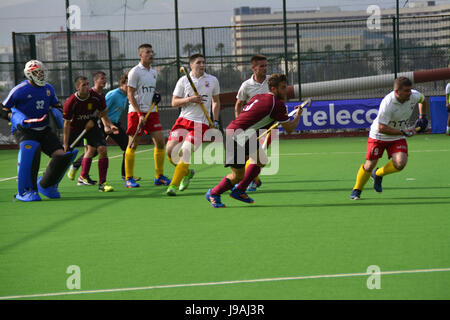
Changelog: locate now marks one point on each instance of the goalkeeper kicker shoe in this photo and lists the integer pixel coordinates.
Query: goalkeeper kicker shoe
(186, 179)
(50, 192)
(240, 195)
(214, 200)
(104, 187)
(377, 181)
(27, 196)
(356, 194)
(162, 181)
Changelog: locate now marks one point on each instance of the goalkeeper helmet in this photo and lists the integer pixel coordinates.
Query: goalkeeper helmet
(35, 72)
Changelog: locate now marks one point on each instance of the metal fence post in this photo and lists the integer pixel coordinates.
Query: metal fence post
(203, 42)
(395, 47)
(285, 39)
(297, 29)
(177, 38)
(111, 79)
(16, 78)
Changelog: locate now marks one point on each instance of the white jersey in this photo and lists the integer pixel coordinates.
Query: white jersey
(394, 114)
(250, 88)
(207, 86)
(144, 81)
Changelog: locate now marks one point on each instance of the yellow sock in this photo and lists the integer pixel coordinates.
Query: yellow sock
(361, 178)
(159, 162)
(181, 170)
(387, 169)
(130, 156)
(246, 165)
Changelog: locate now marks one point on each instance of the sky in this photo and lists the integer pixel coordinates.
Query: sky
(49, 15)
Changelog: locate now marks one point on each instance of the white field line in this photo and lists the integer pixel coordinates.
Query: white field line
(112, 157)
(202, 284)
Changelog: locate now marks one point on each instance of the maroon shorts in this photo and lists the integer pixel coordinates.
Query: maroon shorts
(189, 130)
(152, 124)
(375, 148)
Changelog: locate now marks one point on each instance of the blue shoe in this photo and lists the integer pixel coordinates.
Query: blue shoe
(27, 196)
(135, 178)
(214, 200)
(50, 192)
(131, 183)
(240, 195)
(162, 181)
(377, 181)
(254, 185)
(356, 194)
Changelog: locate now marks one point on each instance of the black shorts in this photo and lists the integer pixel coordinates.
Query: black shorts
(121, 138)
(94, 137)
(236, 155)
(47, 138)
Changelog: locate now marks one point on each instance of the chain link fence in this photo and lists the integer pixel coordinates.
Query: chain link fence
(316, 51)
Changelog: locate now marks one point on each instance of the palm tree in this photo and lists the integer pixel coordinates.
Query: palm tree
(188, 47)
(219, 48)
(198, 48)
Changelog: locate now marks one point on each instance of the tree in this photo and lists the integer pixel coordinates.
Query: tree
(197, 48)
(188, 47)
(219, 48)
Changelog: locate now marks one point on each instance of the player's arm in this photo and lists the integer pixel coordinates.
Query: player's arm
(109, 126)
(216, 111)
(5, 113)
(178, 102)
(384, 128)
(289, 126)
(238, 107)
(130, 94)
(66, 135)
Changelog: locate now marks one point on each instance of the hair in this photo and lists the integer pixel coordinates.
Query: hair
(123, 78)
(78, 79)
(256, 58)
(275, 80)
(195, 56)
(98, 75)
(145, 46)
(401, 82)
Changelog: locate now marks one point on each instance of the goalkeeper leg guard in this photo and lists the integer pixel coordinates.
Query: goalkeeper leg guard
(29, 159)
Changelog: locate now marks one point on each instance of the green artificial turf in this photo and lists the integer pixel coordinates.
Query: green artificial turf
(301, 224)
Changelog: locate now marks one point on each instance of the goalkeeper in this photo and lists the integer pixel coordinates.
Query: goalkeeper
(388, 132)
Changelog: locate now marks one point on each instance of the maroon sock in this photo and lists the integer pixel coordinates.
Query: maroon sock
(85, 167)
(251, 173)
(102, 170)
(223, 186)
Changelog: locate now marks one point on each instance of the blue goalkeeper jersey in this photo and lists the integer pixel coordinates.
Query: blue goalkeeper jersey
(33, 102)
(117, 102)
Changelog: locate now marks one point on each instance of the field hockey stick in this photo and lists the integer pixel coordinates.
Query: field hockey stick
(183, 70)
(293, 112)
(89, 125)
(138, 130)
(35, 120)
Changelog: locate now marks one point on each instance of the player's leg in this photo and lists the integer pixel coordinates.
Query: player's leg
(86, 162)
(130, 153)
(448, 123)
(174, 152)
(256, 183)
(72, 172)
(122, 141)
(103, 163)
(57, 166)
(375, 150)
(159, 155)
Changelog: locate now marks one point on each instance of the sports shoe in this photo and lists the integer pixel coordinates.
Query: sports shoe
(186, 179)
(131, 183)
(27, 196)
(240, 195)
(72, 172)
(377, 181)
(104, 187)
(356, 194)
(171, 191)
(162, 181)
(50, 192)
(214, 200)
(254, 185)
(135, 178)
(86, 181)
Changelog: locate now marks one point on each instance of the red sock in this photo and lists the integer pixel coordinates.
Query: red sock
(102, 170)
(85, 167)
(223, 186)
(251, 173)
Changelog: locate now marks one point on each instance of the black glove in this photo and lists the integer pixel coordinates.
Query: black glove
(216, 124)
(421, 123)
(156, 98)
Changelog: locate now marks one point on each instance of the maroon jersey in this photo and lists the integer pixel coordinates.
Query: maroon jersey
(81, 111)
(261, 112)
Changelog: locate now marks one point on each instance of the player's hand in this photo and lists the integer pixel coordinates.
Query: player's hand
(216, 124)
(196, 99)
(421, 123)
(114, 129)
(66, 147)
(408, 132)
(156, 98)
(141, 120)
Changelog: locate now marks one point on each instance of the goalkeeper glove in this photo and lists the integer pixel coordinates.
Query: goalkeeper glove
(421, 123)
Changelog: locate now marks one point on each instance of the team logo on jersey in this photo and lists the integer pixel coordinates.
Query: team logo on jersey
(207, 84)
(28, 146)
(89, 106)
(48, 92)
